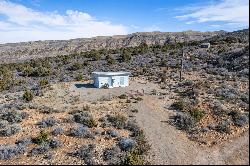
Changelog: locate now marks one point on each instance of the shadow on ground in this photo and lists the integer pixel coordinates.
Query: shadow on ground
(84, 86)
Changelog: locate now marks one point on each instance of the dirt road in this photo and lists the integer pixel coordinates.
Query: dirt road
(171, 146)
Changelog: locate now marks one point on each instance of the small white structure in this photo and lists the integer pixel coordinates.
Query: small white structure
(205, 45)
(111, 79)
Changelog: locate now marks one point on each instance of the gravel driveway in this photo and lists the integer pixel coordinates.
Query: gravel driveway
(171, 146)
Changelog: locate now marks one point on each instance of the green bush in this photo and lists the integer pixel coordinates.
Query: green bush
(123, 96)
(85, 63)
(138, 99)
(128, 101)
(41, 72)
(179, 105)
(134, 110)
(76, 66)
(95, 55)
(197, 114)
(28, 96)
(117, 121)
(163, 63)
(6, 79)
(43, 83)
(142, 147)
(110, 60)
(41, 138)
(126, 56)
(79, 77)
(133, 159)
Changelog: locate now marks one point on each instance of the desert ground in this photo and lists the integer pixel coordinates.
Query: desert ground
(168, 145)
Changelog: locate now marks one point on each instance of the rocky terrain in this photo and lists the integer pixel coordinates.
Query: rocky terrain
(14, 52)
(50, 113)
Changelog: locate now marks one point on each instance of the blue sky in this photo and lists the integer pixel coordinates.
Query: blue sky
(28, 20)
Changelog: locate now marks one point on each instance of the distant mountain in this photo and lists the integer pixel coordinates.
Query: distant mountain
(28, 50)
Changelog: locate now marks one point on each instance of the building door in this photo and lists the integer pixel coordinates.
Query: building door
(112, 81)
(121, 80)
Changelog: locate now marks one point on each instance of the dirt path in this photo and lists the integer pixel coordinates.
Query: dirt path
(170, 146)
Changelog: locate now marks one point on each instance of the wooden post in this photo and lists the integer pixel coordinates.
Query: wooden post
(182, 58)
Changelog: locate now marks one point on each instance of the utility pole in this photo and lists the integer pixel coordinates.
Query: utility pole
(182, 59)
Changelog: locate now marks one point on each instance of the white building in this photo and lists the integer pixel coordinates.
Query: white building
(205, 45)
(111, 79)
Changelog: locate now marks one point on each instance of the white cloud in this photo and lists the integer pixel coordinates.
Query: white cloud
(215, 26)
(25, 24)
(234, 12)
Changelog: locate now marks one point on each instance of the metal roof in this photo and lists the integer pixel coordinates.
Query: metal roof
(111, 73)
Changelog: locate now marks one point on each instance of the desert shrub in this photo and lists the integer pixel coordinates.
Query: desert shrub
(57, 131)
(43, 83)
(84, 111)
(110, 60)
(82, 132)
(128, 101)
(42, 149)
(86, 153)
(10, 130)
(223, 127)
(138, 99)
(134, 110)
(112, 133)
(3, 124)
(218, 109)
(196, 114)
(86, 63)
(133, 159)
(163, 63)
(41, 138)
(24, 141)
(6, 79)
(49, 122)
(239, 119)
(27, 96)
(41, 72)
(123, 96)
(117, 121)
(54, 143)
(142, 146)
(163, 77)
(95, 55)
(226, 93)
(112, 155)
(245, 97)
(76, 66)
(8, 152)
(183, 122)
(105, 122)
(27, 71)
(126, 144)
(132, 126)
(105, 86)
(190, 92)
(179, 105)
(79, 77)
(12, 116)
(85, 119)
(126, 56)
(47, 110)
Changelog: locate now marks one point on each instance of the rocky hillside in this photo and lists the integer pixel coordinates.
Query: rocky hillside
(28, 50)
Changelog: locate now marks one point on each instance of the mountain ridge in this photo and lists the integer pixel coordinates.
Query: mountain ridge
(12, 52)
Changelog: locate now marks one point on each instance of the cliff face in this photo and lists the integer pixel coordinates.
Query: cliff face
(27, 50)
